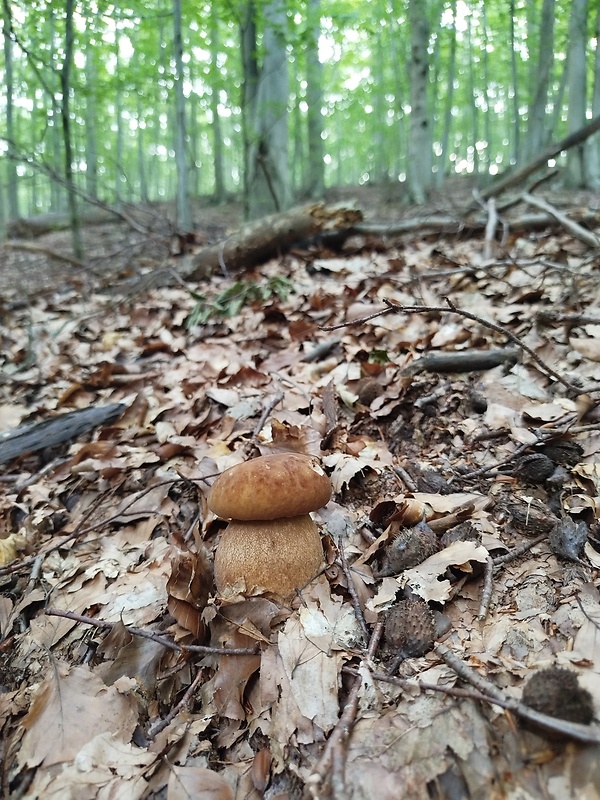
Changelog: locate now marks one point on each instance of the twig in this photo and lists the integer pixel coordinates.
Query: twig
(487, 589)
(393, 307)
(518, 551)
(332, 752)
(154, 637)
(406, 479)
(541, 438)
(274, 401)
(16, 565)
(574, 730)
(574, 229)
(490, 228)
(160, 724)
(352, 590)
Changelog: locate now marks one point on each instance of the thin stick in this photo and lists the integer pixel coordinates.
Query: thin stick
(154, 637)
(393, 307)
(342, 730)
(574, 730)
(352, 590)
(519, 550)
(487, 589)
(160, 724)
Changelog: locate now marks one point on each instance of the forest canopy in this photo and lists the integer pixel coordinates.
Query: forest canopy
(277, 99)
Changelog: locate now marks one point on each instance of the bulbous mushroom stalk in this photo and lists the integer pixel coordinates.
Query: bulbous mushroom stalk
(271, 545)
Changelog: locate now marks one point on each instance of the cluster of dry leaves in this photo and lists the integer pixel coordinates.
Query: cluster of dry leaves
(139, 699)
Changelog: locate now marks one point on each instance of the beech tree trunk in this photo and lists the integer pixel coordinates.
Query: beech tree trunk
(268, 177)
(576, 82)
(65, 85)
(11, 164)
(420, 173)
(184, 221)
(314, 99)
(537, 135)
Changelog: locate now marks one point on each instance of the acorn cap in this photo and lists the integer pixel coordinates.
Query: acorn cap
(272, 556)
(269, 487)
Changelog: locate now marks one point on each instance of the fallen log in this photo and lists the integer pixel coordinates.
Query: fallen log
(32, 437)
(258, 241)
(444, 223)
(32, 227)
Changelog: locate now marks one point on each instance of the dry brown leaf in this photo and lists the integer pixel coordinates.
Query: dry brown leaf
(425, 579)
(70, 708)
(197, 783)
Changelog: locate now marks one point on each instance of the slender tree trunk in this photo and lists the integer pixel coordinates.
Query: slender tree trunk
(11, 164)
(420, 175)
(248, 42)
(120, 167)
(444, 162)
(217, 128)
(486, 154)
(516, 132)
(474, 111)
(65, 84)
(58, 199)
(184, 218)
(314, 100)
(576, 81)
(91, 121)
(593, 144)
(536, 127)
(141, 154)
(268, 178)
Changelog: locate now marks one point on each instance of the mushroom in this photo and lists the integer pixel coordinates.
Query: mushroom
(271, 544)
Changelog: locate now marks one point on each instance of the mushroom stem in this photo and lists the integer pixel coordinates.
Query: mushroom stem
(276, 556)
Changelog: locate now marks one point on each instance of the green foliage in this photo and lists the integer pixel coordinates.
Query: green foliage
(229, 302)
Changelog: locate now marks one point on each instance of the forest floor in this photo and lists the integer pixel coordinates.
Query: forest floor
(476, 491)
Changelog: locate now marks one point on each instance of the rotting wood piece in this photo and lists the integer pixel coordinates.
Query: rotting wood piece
(260, 240)
(463, 361)
(31, 437)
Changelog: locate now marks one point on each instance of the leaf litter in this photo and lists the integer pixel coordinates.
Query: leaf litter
(111, 534)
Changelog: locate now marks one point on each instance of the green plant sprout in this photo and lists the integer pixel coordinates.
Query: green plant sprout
(229, 302)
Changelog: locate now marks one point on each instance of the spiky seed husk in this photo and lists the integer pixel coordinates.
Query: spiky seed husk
(410, 628)
(556, 691)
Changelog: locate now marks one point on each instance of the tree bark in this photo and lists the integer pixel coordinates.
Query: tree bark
(65, 83)
(268, 170)
(11, 164)
(184, 218)
(420, 174)
(258, 241)
(536, 125)
(576, 81)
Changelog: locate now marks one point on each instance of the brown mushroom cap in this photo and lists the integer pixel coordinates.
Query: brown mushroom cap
(276, 556)
(269, 487)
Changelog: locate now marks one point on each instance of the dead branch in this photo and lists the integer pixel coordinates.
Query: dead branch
(258, 241)
(154, 637)
(462, 361)
(29, 247)
(342, 730)
(30, 438)
(446, 224)
(393, 307)
(585, 236)
(519, 175)
(573, 730)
